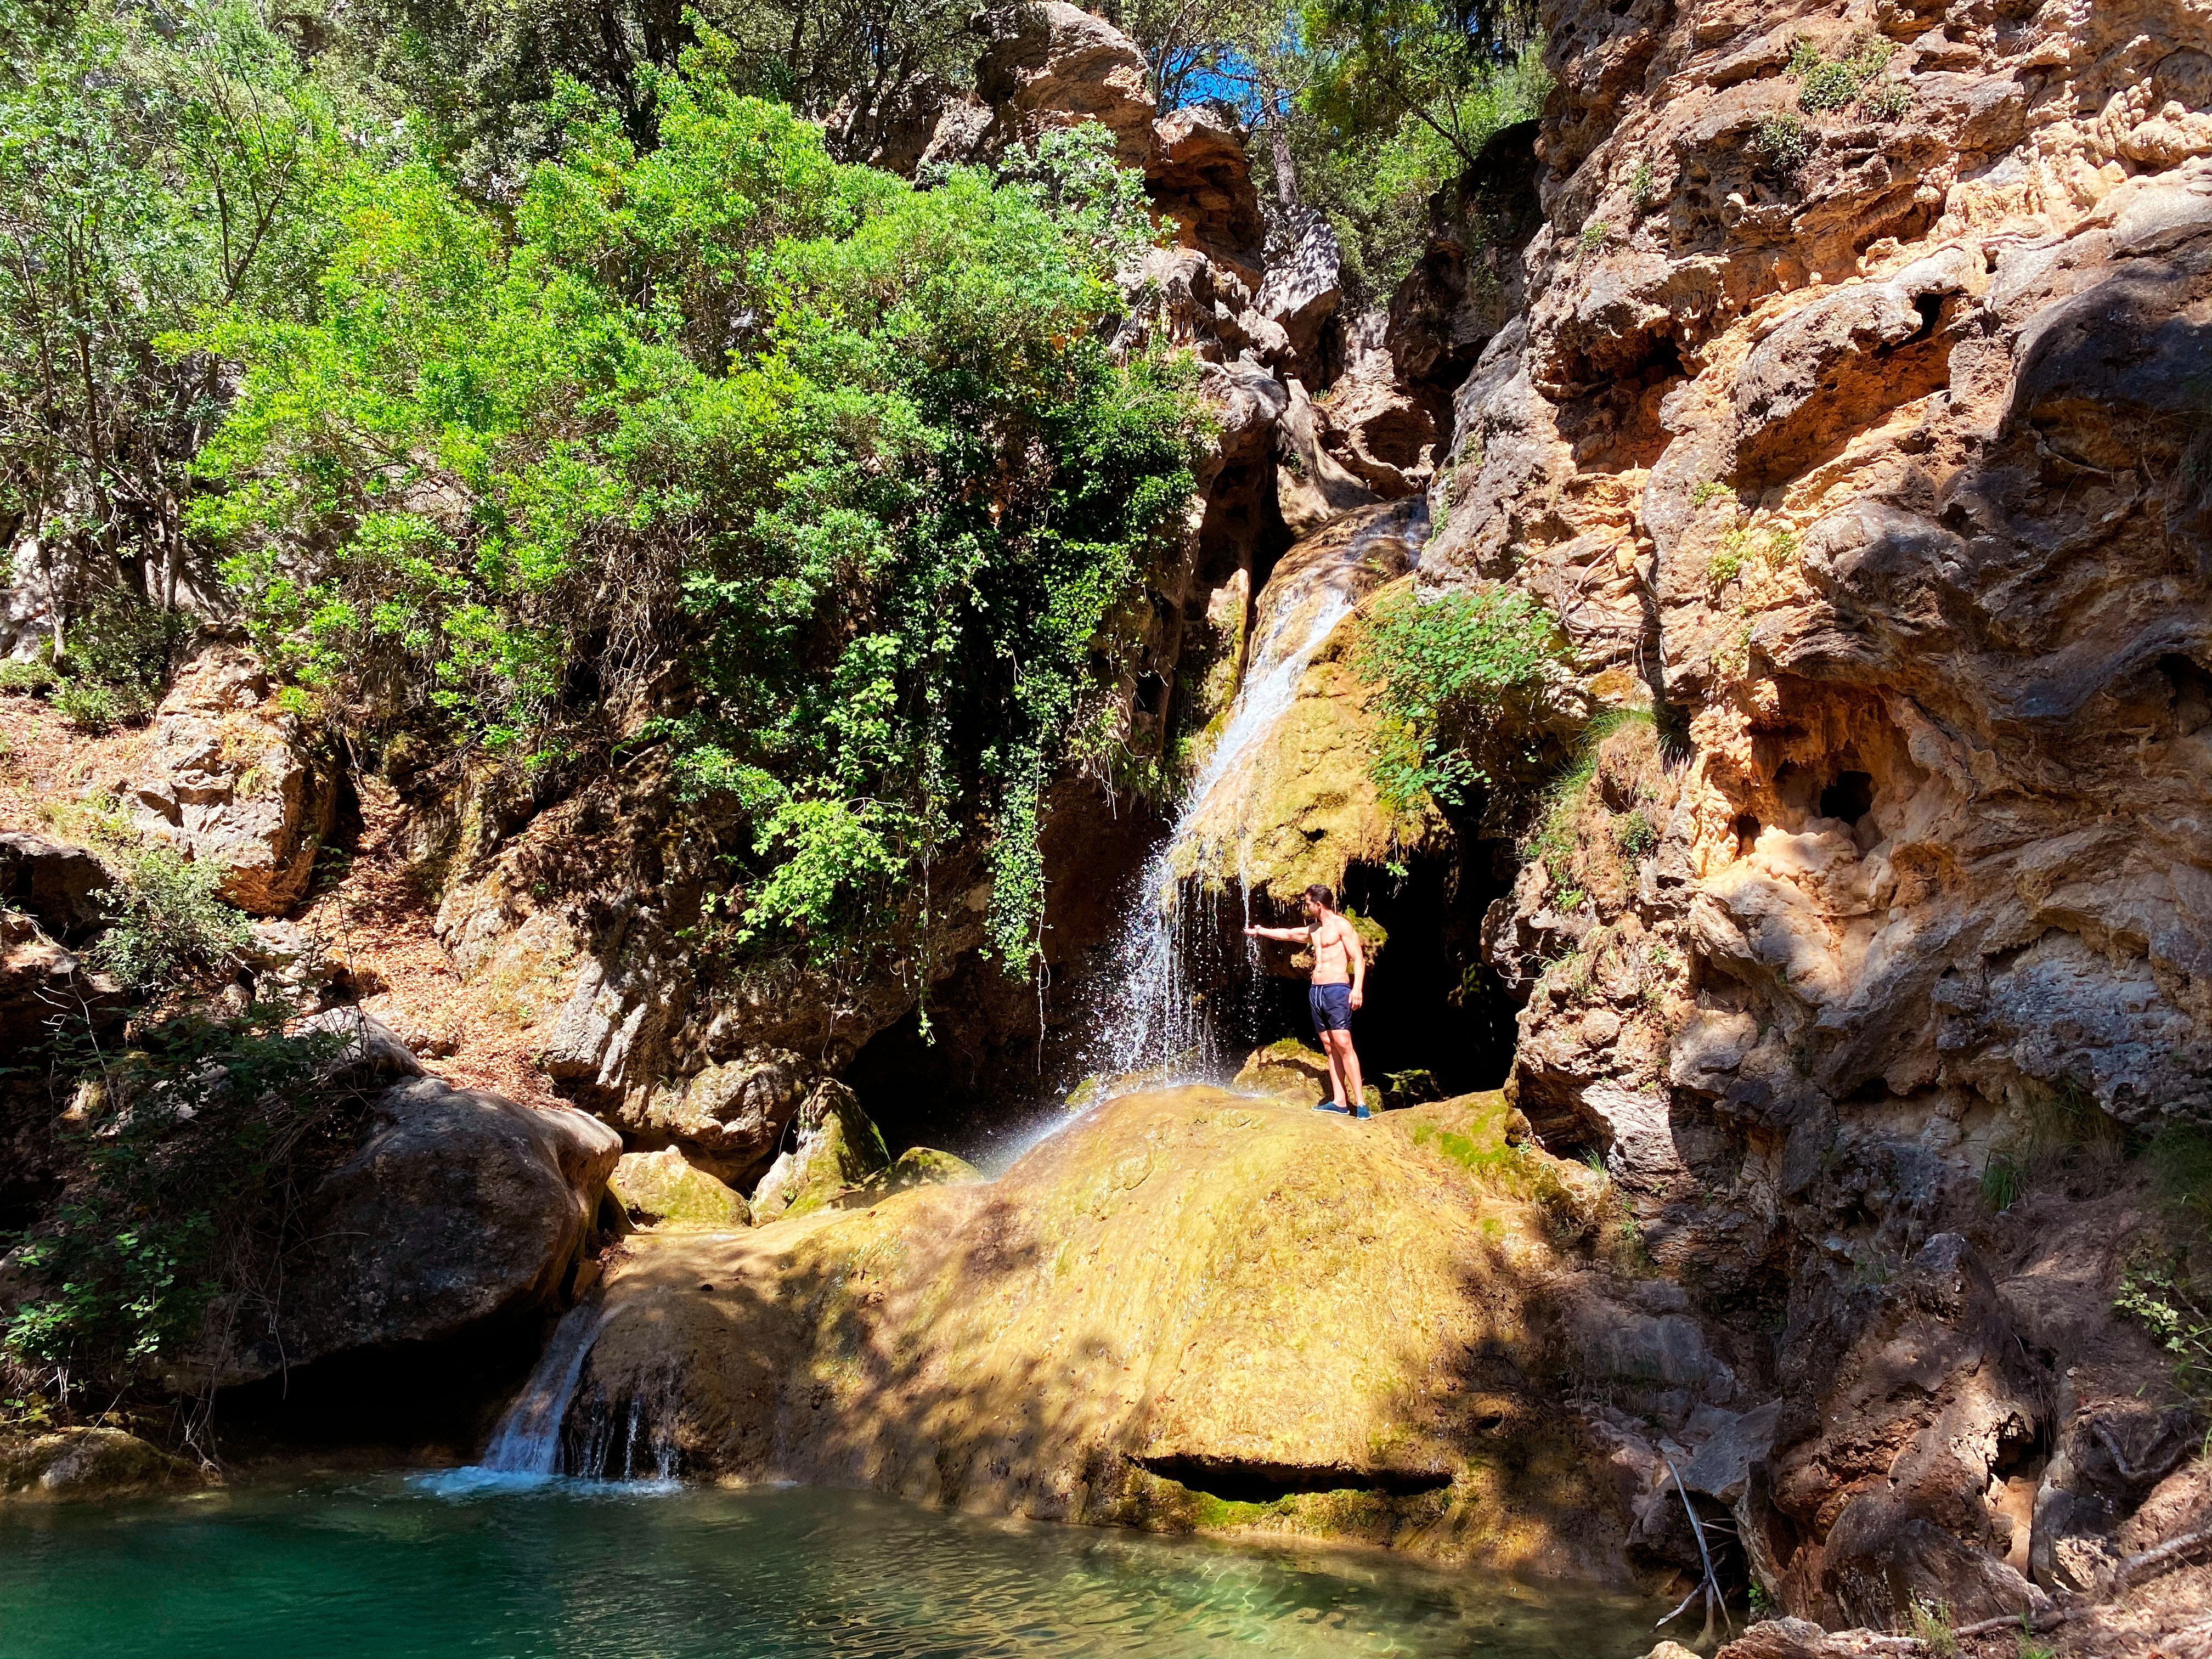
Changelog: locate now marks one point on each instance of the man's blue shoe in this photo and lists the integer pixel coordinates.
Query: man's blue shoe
(1336, 1106)
(1361, 1111)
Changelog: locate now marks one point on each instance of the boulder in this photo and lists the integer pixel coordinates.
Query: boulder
(88, 1462)
(44, 986)
(229, 780)
(1051, 64)
(1189, 1310)
(1290, 1069)
(370, 1053)
(660, 1190)
(837, 1149)
(728, 1117)
(63, 888)
(924, 1166)
(456, 1205)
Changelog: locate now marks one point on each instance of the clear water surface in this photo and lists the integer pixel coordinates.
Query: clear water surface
(447, 1568)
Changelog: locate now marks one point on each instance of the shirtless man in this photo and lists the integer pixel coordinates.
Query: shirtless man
(1340, 986)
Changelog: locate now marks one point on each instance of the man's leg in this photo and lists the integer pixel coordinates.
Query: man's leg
(1336, 1072)
(1344, 1061)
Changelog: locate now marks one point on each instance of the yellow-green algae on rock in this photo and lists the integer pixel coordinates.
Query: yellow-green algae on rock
(1192, 1310)
(660, 1189)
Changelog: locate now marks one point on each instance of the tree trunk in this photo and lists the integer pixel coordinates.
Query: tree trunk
(1279, 146)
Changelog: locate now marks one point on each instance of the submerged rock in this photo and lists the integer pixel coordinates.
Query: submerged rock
(1192, 1310)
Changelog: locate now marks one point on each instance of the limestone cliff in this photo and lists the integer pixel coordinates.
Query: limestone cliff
(1854, 419)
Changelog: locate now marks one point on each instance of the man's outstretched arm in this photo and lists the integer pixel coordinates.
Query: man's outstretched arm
(1294, 935)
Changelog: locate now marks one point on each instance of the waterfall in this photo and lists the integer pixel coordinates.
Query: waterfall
(1159, 1017)
(628, 1435)
(528, 1439)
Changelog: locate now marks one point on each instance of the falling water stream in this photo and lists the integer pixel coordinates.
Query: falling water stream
(1160, 1021)
(549, 1433)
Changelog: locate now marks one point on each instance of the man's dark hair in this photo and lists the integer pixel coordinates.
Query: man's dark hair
(1322, 896)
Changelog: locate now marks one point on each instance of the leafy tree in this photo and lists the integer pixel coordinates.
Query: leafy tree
(1361, 109)
(144, 176)
(485, 76)
(855, 455)
(1460, 674)
(1385, 64)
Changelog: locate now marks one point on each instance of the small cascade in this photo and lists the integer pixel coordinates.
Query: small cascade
(631, 1437)
(1175, 956)
(560, 1426)
(528, 1439)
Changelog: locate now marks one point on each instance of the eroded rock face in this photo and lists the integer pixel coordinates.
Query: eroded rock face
(1049, 64)
(229, 780)
(1876, 470)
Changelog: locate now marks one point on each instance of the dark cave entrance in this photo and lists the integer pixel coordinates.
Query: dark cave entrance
(1432, 1004)
(1000, 1056)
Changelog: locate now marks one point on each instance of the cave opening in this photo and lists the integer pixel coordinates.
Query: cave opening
(1850, 798)
(1432, 1004)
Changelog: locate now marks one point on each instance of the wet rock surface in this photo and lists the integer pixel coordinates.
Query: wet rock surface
(77, 1464)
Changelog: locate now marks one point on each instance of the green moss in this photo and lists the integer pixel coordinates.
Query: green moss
(1212, 1514)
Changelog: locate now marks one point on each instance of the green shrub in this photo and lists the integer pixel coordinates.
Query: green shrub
(1832, 86)
(1705, 490)
(1455, 670)
(30, 675)
(1930, 1622)
(88, 705)
(1783, 142)
(1644, 187)
(1554, 840)
(1634, 834)
(168, 919)
(1886, 102)
(2171, 1302)
(858, 457)
(1593, 235)
(2168, 1288)
(188, 1147)
(128, 646)
(1827, 86)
